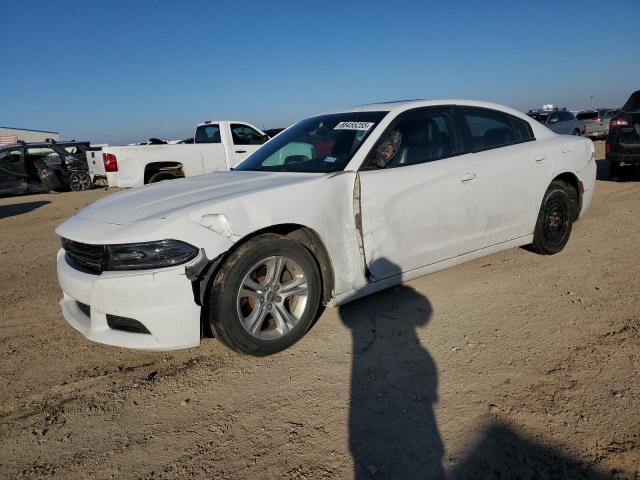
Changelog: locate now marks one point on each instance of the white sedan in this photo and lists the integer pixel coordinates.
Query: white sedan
(335, 207)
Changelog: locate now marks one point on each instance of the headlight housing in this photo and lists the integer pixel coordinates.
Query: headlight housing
(147, 255)
(129, 256)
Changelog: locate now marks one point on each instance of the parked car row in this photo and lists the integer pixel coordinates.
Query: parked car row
(593, 123)
(337, 206)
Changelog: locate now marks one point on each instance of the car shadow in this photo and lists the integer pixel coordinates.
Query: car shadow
(20, 208)
(627, 174)
(392, 427)
(502, 453)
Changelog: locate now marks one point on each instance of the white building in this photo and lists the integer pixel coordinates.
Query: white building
(10, 135)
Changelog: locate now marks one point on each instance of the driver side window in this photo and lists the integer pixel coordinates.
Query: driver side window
(419, 138)
(245, 135)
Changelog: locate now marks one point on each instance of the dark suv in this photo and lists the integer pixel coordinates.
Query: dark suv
(43, 167)
(623, 139)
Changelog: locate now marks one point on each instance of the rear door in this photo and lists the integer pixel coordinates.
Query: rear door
(513, 171)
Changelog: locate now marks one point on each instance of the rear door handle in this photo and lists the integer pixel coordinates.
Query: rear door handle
(241, 151)
(467, 177)
(541, 158)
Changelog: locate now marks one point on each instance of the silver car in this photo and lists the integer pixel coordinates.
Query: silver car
(596, 122)
(559, 120)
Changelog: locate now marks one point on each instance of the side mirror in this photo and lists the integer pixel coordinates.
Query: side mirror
(386, 149)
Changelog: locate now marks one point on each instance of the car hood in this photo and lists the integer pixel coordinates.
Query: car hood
(178, 198)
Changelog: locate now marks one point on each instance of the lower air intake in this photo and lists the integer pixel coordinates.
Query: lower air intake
(126, 324)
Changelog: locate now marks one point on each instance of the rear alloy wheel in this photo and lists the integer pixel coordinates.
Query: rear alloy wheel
(265, 296)
(79, 181)
(555, 219)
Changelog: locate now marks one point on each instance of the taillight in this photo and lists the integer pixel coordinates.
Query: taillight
(110, 162)
(619, 121)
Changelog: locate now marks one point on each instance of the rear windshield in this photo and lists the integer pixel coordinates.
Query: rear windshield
(541, 117)
(587, 115)
(208, 134)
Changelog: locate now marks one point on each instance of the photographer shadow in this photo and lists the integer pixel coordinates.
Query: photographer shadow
(392, 426)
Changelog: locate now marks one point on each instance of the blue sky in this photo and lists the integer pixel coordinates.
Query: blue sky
(122, 71)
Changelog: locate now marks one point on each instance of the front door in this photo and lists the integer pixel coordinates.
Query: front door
(246, 140)
(421, 207)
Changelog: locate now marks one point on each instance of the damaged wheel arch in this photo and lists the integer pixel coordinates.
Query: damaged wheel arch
(306, 236)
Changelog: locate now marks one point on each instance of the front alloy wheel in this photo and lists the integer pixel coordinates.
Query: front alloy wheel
(265, 296)
(273, 297)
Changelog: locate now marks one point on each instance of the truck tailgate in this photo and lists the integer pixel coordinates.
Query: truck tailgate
(94, 160)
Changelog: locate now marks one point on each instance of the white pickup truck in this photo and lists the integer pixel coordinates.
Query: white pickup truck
(218, 145)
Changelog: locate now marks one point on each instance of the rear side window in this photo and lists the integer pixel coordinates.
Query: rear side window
(566, 116)
(493, 129)
(208, 134)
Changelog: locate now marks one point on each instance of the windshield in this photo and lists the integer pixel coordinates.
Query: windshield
(318, 144)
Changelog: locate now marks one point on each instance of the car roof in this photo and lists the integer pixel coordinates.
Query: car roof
(398, 106)
(43, 144)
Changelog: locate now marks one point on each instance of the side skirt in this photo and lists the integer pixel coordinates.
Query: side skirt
(422, 271)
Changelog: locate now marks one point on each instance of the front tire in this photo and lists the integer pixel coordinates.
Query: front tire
(265, 296)
(555, 219)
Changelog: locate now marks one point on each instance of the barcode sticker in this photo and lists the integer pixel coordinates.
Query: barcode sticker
(353, 126)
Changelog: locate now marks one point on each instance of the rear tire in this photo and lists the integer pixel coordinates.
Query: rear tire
(265, 296)
(615, 171)
(555, 219)
(80, 181)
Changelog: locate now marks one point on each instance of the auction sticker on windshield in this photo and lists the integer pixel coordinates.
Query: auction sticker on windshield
(353, 126)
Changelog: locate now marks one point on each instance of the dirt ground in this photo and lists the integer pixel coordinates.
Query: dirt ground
(511, 366)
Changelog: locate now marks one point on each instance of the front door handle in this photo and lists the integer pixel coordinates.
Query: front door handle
(467, 177)
(541, 158)
(241, 151)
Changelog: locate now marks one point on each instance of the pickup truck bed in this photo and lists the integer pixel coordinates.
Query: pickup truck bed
(220, 145)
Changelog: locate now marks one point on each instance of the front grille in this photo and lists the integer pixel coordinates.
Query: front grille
(85, 257)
